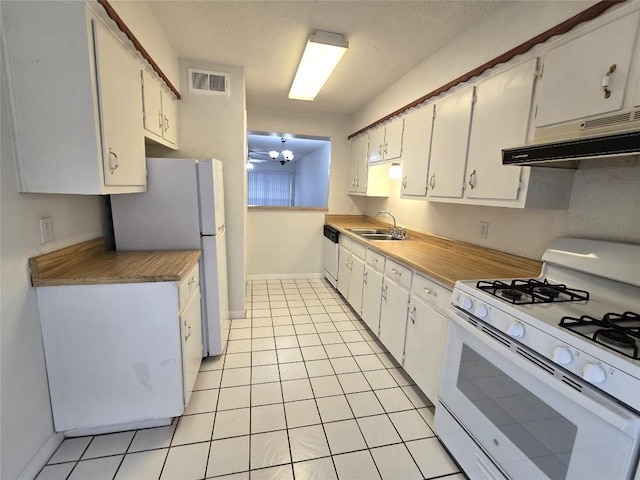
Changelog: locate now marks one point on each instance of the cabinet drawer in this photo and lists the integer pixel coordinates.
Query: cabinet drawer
(435, 295)
(399, 274)
(345, 242)
(358, 250)
(375, 260)
(188, 285)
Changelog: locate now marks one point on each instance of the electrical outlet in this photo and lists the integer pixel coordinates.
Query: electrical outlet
(484, 229)
(46, 230)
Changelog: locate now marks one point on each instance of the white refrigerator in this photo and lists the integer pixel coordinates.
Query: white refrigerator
(183, 208)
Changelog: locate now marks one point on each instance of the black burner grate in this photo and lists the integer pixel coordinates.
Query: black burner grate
(619, 332)
(523, 292)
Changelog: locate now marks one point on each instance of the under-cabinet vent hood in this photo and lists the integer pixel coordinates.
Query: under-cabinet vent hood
(560, 146)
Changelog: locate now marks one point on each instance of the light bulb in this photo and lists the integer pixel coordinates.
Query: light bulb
(274, 154)
(249, 166)
(288, 155)
(395, 171)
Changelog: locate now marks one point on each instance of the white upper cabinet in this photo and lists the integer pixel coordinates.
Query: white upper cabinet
(500, 120)
(75, 95)
(385, 143)
(160, 111)
(449, 145)
(416, 144)
(122, 145)
(368, 180)
(575, 73)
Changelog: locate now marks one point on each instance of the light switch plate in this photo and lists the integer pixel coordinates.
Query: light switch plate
(46, 230)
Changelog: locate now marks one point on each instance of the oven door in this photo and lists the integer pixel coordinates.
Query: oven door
(521, 413)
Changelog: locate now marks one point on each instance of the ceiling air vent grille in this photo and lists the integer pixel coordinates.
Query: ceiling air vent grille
(606, 121)
(207, 82)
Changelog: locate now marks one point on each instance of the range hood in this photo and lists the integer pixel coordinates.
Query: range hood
(561, 146)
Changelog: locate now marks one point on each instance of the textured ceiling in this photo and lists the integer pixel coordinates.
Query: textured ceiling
(386, 40)
(261, 143)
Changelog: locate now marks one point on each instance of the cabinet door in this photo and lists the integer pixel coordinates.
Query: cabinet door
(636, 102)
(170, 117)
(393, 139)
(393, 318)
(376, 144)
(449, 145)
(356, 281)
(191, 333)
(152, 104)
(426, 332)
(359, 160)
(416, 143)
(120, 111)
(344, 271)
(500, 120)
(571, 85)
(371, 299)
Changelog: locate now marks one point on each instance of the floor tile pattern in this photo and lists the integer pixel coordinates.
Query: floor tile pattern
(303, 391)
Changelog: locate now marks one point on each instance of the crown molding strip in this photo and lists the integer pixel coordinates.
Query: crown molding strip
(589, 14)
(113, 15)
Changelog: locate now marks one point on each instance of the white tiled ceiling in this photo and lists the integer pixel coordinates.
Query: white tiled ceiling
(386, 40)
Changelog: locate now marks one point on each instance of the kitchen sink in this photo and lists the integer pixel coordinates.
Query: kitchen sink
(374, 234)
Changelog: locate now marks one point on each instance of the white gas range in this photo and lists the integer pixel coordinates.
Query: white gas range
(523, 396)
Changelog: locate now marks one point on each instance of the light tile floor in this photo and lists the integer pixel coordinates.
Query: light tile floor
(303, 391)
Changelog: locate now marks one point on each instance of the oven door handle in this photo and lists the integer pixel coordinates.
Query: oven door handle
(612, 413)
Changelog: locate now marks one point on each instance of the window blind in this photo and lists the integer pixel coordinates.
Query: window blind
(270, 189)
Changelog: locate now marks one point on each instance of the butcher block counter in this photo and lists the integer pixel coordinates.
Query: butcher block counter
(90, 263)
(446, 261)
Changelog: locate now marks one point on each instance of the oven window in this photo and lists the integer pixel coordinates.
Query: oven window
(539, 431)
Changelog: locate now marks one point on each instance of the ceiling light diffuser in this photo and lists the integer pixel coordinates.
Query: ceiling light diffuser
(321, 56)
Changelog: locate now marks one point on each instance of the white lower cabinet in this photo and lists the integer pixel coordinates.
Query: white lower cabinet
(426, 332)
(344, 265)
(120, 356)
(356, 278)
(372, 290)
(393, 312)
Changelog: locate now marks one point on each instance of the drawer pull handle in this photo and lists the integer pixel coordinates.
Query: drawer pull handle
(192, 281)
(188, 332)
(605, 81)
(430, 292)
(396, 272)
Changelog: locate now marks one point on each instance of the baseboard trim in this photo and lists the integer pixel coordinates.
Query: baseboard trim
(40, 459)
(238, 314)
(279, 276)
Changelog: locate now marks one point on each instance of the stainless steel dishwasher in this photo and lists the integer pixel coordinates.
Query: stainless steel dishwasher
(330, 248)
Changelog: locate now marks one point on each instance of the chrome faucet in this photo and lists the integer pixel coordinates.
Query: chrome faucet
(396, 233)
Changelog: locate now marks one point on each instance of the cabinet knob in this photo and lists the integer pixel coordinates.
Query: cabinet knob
(605, 81)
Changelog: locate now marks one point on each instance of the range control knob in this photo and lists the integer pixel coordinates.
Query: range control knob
(593, 373)
(562, 356)
(481, 311)
(466, 303)
(516, 330)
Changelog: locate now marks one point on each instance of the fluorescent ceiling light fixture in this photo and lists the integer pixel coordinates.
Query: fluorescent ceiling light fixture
(395, 171)
(321, 56)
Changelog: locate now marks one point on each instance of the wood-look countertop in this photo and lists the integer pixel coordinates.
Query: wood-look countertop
(89, 263)
(446, 261)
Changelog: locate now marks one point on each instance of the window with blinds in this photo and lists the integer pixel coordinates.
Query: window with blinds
(271, 189)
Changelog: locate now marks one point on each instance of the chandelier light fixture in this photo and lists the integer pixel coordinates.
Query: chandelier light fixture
(321, 56)
(287, 155)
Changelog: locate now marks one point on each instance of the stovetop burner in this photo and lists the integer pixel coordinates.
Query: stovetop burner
(618, 332)
(523, 292)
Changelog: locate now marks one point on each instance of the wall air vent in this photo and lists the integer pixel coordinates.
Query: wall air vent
(207, 82)
(606, 121)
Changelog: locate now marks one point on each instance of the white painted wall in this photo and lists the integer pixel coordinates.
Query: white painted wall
(215, 126)
(25, 415)
(276, 237)
(141, 21)
(604, 198)
(311, 190)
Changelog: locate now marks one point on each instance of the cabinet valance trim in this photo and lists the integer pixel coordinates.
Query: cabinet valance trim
(113, 15)
(564, 27)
